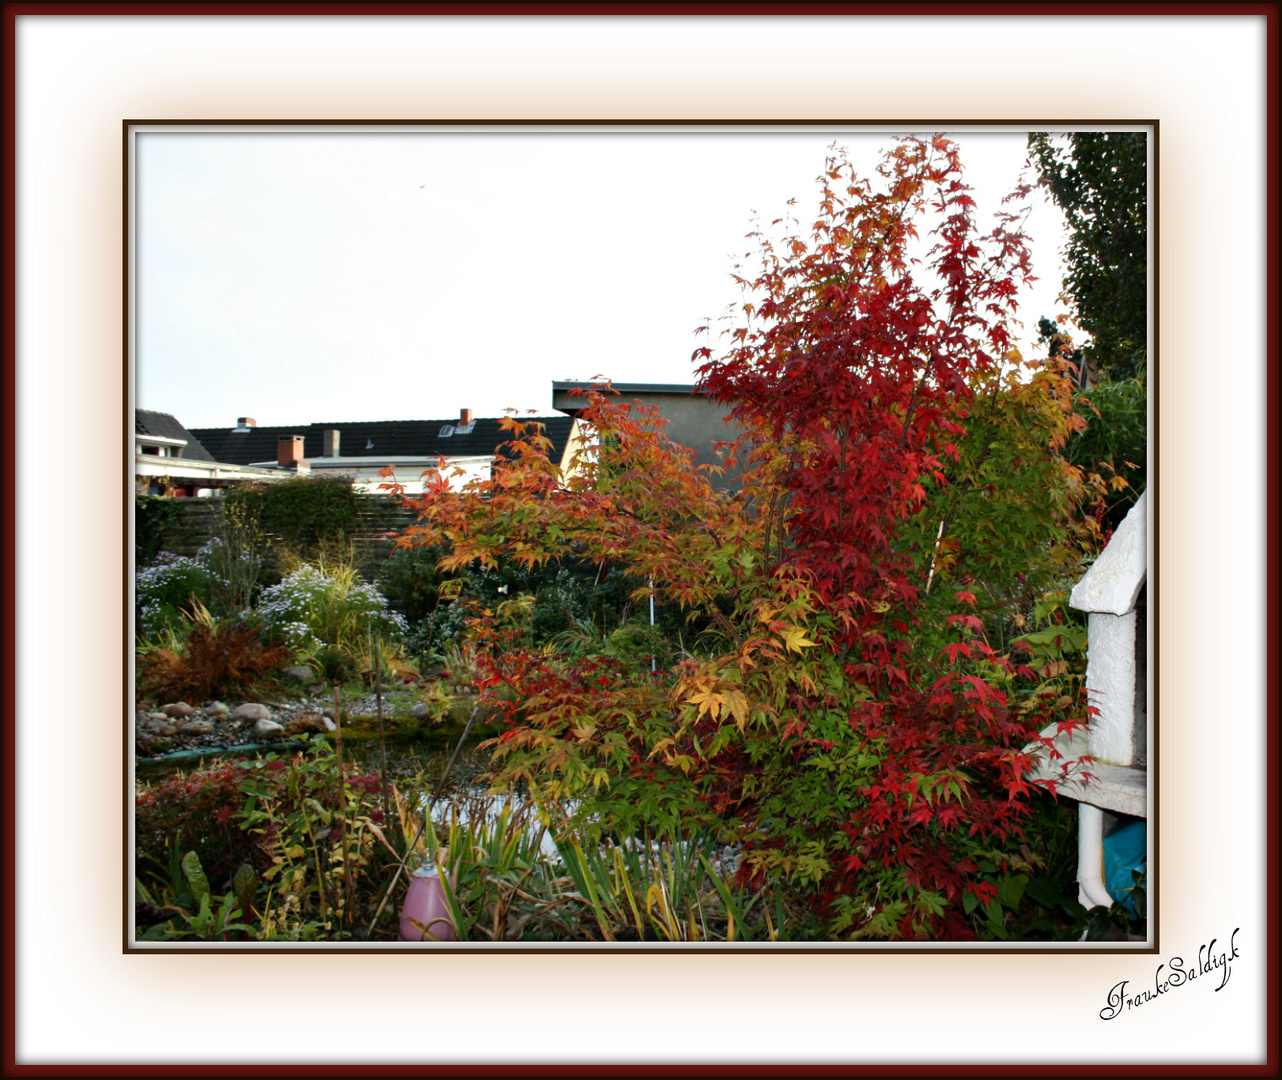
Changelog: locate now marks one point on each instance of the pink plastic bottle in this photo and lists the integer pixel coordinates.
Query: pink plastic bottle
(425, 904)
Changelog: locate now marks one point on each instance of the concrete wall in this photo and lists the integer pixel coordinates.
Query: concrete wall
(693, 420)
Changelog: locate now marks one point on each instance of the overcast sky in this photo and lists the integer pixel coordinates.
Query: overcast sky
(308, 277)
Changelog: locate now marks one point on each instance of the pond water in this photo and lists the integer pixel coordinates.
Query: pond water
(417, 773)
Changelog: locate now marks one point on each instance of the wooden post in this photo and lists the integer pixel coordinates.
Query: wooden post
(382, 743)
(342, 794)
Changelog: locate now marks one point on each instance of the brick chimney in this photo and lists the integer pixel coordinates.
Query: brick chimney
(244, 423)
(329, 442)
(289, 451)
(464, 417)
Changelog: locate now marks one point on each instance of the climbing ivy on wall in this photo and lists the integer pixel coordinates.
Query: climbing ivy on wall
(301, 509)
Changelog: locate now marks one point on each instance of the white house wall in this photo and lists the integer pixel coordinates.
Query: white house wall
(1110, 682)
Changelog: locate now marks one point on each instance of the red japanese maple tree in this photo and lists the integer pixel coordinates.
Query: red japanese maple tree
(846, 716)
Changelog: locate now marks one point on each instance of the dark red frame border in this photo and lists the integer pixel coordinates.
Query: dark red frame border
(8, 516)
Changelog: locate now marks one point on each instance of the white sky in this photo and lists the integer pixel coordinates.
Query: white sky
(344, 276)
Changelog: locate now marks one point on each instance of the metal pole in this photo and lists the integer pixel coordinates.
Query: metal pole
(653, 662)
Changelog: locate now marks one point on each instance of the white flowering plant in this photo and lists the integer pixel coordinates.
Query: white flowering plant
(165, 591)
(319, 606)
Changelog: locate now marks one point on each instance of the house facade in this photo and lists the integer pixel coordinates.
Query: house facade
(170, 460)
(693, 419)
(361, 450)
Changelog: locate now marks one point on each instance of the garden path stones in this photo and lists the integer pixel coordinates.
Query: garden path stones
(178, 710)
(251, 711)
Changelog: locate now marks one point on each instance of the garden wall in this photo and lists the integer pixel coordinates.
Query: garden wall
(199, 519)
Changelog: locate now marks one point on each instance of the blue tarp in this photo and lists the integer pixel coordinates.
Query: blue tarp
(1126, 851)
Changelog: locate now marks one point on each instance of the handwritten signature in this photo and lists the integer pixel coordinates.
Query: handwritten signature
(1178, 973)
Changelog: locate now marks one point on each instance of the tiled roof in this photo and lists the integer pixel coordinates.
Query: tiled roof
(377, 439)
(163, 426)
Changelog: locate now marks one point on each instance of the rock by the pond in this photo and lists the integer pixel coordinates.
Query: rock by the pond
(218, 711)
(178, 710)
(252, 711)
(418, 711)
(266, 730)
(158, 716)
(302, 674)
(307, 722)
(197, 727)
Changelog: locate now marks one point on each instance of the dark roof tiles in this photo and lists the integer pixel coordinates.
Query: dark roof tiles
(163, 426)
(377, 439)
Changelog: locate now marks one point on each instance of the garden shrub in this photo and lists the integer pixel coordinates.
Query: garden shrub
(316, 606)
(218, 657)
(154, 518)
(165, 591)
(320, 831)
(284, 818)
(437, 631)
(332, 618)
(195, 812)
(411, 582)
